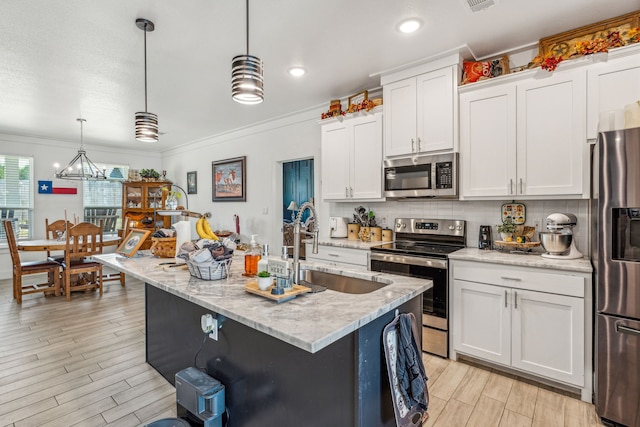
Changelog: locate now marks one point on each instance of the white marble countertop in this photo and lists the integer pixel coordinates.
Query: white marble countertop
(582, 265)
(311, 321)
(343, 242)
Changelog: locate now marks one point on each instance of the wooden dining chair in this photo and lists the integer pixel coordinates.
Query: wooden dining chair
(111, 276)
(56, 230)
(20, 269)
(78, 273)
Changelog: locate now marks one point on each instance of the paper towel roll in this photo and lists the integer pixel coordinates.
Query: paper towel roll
(183, 233)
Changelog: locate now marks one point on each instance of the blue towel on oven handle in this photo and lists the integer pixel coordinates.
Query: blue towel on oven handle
(409, 366)
(410, 395)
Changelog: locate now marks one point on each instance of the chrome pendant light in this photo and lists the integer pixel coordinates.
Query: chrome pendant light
(146, 122)
(81, 168)
(246, 76)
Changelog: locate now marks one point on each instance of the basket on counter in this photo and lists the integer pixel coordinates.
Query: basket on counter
(163, 247)
(214, 270)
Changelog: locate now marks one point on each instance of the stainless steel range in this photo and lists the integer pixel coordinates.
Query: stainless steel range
(421, 249)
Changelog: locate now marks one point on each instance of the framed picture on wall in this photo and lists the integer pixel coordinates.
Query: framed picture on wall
(192, 182)
(229, 180)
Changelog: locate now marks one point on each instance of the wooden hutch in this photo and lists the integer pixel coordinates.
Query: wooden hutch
(140, 202)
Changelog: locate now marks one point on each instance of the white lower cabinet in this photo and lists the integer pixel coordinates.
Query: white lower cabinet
(526, 319)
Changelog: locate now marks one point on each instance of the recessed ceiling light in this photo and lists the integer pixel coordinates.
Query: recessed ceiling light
(409, 25)
(297, 71)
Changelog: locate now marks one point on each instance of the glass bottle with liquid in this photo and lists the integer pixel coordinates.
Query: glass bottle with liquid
(251, 257)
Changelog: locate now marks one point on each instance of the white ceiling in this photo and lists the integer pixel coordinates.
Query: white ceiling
(63, 59)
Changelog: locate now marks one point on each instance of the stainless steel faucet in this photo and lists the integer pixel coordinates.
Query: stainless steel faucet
(296, 238)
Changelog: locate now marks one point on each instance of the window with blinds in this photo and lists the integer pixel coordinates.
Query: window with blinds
(16, 195)
(102, 200)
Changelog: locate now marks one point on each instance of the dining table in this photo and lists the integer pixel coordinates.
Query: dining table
(58, 245)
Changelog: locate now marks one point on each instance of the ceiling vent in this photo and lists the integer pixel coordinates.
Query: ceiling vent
(473, 6)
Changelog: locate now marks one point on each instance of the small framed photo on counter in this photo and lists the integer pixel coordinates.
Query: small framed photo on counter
(132, 242)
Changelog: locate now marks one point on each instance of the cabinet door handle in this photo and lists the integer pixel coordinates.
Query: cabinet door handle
(346, 191)
(419, 148)
(413, 145)
(351, 191)
(521, 190)
(515, 298)
(505, 299)
(517, 279)
(511, 186)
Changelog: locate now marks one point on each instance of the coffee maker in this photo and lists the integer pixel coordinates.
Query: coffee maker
(484, 237)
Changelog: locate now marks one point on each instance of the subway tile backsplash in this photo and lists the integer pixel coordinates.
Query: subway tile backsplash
(476, 213)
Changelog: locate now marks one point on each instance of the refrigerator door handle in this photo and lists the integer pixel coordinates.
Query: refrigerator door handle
(627, 330)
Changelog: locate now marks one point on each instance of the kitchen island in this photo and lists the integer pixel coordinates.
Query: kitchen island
(316, 360)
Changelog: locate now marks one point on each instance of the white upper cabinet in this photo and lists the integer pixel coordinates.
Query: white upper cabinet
(421, 110)
(525, 138)
(487, 141)
(551, 143)
(435, 110)
(351, 155)
(611, 85)
(400, 117)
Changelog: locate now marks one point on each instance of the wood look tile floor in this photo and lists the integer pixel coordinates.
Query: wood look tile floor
(82, 363)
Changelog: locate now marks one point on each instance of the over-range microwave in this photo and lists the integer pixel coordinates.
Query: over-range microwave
(425, 176)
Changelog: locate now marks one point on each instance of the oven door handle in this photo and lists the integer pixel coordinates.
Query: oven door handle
(412, 260)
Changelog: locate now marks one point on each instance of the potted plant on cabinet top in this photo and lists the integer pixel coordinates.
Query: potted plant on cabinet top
(149, 174)
(506, 230)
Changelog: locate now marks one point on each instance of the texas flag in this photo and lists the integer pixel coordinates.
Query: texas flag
(46, 187)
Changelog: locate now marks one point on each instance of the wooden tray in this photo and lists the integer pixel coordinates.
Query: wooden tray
(516, 245)
(252, 288)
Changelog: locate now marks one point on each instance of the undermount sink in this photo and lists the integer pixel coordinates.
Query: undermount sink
(336, 282)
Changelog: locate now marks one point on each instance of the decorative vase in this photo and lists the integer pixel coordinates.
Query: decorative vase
(171, 203)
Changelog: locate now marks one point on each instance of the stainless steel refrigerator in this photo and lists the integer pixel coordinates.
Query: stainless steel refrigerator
(616, 258)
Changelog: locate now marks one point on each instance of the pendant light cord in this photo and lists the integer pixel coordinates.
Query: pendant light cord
(145, 67)
(81, 133)
(247, 27)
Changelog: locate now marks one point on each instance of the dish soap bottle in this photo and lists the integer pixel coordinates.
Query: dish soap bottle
(263, 264)
(251, 258)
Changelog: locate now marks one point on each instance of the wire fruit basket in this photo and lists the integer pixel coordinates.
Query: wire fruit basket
(214, 270)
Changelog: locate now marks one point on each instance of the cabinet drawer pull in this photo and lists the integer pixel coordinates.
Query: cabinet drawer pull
(627, 330)
(517, 279)
(334, 255)
(505, 299)
(515, 298)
